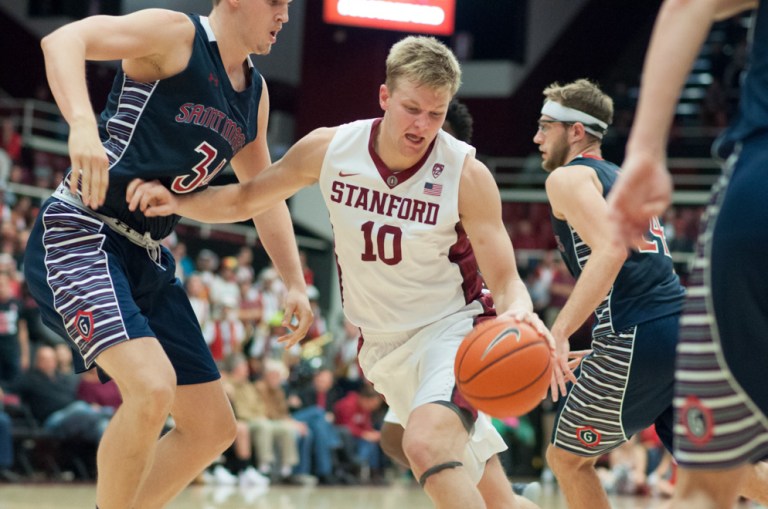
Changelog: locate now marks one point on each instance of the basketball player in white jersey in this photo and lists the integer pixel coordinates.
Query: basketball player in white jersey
(404, 199)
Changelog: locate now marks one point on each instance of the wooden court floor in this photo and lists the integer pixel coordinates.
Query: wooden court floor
(399, 495)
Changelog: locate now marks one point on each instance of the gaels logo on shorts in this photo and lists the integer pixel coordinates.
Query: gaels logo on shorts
(588, 436)
(437, 169)
(697, 421)
(84, 324)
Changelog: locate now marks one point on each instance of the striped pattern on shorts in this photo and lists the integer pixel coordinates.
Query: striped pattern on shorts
(717, 425)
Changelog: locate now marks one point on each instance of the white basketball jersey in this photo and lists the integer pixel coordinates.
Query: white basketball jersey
(404, 260)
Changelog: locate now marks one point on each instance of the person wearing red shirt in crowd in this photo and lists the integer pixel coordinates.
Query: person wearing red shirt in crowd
(354, 412)
(10, 140)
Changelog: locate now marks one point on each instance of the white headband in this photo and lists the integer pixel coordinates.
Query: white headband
(565, 114)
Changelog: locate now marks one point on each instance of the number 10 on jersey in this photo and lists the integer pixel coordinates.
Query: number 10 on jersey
(382, 242)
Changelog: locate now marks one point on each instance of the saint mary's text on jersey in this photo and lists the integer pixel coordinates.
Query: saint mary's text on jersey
(213, 119)
(386, 204)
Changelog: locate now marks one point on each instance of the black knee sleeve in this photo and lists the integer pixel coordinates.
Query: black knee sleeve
(438, 468)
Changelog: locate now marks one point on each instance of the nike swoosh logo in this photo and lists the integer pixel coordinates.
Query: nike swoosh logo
(510, 331)
(345, 174)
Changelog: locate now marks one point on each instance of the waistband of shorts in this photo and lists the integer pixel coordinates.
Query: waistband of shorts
(387, 337)
(144, 240)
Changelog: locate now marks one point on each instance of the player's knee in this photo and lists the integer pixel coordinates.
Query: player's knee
(152, 397)
(434, 470)
(228, 432)
(423, 453)
(564, 463)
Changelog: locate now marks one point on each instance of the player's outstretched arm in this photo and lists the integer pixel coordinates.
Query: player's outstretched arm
(480, 212)
(300, 167)
(153, 44)
(576, 196)
(645, 189)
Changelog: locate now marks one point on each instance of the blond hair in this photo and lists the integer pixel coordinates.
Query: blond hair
(582, 95)
(424, 61)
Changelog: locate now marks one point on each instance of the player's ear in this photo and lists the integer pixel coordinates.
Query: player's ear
(578, 130)
(384, 96)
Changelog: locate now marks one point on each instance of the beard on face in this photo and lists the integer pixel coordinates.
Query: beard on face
(557, 154)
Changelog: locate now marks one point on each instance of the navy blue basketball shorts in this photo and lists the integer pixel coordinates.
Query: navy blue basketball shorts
(97, 289)
(721, 394)
(624, 386)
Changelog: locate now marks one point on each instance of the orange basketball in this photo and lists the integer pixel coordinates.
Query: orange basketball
(503, 367)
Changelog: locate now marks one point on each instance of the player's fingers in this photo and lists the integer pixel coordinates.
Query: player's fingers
(578, 354)
(103, 184)
(96, 175)
(148, 196)
(568, 375)
(85, 185)
(159, 210)
(130, 193)
(288, 317)
(74, 177)
(290, 339)
(573, 364)
(553, 387)
(135, 198)
(560, 377)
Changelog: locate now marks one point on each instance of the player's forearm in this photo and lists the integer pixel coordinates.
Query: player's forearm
(678, 34)
(276, 233)
(218, 204)
(593, 285)
(513, 297)
(64, 55)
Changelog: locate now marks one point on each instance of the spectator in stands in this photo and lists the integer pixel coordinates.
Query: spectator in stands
(319, 326)
(354, 412)
(64, 366)
(20, 174)
(251, 312)
(6, 445)
(185, 266)
(39, 334)
(560, 289)
(263, 407)
(523, 236)
(228, 331)
(539, 280)
(10, 141)
(14, 335)
(313, 405)
(245, 268)
(309, 275)
(224, 289)
(201, 305)
(104, 397)
(207, 263)
(271, 289)
(271, 392)
(53, 403)
(346, 368)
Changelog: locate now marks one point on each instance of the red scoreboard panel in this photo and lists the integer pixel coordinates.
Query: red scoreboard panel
(417, 16)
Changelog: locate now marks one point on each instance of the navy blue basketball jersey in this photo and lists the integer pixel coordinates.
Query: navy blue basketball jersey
(181, 130)
(647, 286)
(752, 117)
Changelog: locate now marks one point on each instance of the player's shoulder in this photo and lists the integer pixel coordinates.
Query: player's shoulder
(570, 174)
(169, 19)
(321, 135)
